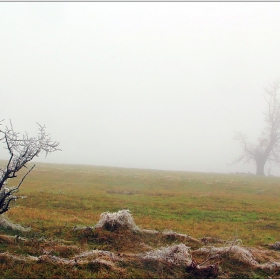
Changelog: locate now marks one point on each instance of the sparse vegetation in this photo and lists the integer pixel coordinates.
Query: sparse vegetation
(184, 225)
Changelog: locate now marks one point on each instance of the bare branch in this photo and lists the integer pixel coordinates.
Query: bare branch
(22, 149)
(268, 147)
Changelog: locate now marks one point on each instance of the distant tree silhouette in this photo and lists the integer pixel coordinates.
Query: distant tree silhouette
(22, 149)
(267, 148)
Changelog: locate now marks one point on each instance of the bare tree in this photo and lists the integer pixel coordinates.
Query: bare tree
(267, 148)
(22, 149)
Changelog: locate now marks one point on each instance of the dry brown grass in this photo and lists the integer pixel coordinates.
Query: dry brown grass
(171, 208)
(127, 253)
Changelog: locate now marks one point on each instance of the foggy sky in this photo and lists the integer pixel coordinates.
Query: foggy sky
(160, 85)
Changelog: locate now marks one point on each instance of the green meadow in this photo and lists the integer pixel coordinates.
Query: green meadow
(60, 197)
(199, 204)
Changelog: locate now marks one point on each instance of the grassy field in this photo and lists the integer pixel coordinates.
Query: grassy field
(225, 206)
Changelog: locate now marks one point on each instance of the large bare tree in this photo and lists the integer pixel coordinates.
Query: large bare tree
(22, 149)
(267, 148)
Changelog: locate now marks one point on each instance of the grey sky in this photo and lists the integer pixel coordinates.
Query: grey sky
(160, 85)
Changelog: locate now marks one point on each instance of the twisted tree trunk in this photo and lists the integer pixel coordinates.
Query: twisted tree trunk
(261, 158)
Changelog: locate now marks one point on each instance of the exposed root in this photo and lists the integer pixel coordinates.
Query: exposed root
(238, 253)
(262, 255)
(233, 252)
(212, 240)
(96, 259)
(7, 239)
(89, 255)
(76, 228)
(7, 224)
(8, 256)
(62, 250)
(98, 264)
(174, 235)
(180, 255)
(204, 272)
(275, 246)
(57, 260)
(150, 231)
(145, 246)
(93, 257)
(171, 259)
(176, 254)
(272, 266)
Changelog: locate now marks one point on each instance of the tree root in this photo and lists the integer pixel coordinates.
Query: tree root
(7, 239)
(176, 254)
(8, 256)
(174, 235)
(233, 252)
(7, 224)
(240, 254)
(275, 246)
(203, 272)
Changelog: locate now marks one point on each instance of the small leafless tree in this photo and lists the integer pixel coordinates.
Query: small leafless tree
(267, 148)
(22, 149)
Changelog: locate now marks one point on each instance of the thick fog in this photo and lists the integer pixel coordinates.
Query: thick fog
(158, 85)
